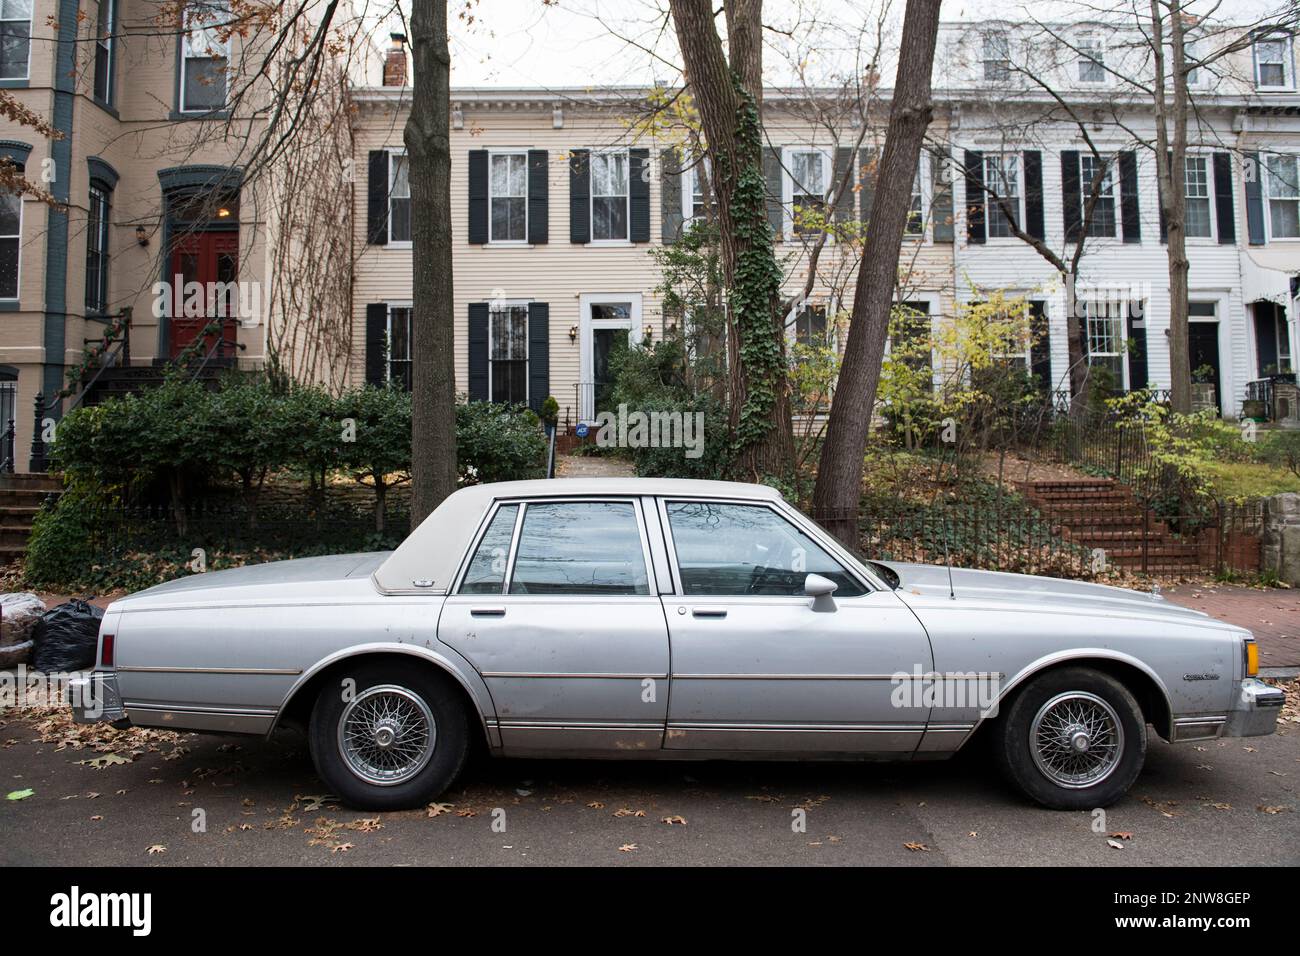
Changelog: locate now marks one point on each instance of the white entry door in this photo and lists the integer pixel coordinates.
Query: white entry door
(606, 319)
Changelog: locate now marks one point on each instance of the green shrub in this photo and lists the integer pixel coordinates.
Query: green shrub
(64, 539)
(498, 443)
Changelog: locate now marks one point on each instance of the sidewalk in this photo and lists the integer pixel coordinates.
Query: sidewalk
(1273, 614)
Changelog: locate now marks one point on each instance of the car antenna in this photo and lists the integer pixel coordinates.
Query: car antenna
(947, 557)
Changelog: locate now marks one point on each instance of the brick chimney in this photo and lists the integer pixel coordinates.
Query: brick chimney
(395, 61)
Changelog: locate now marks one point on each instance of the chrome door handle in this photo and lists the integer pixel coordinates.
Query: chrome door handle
(709, 612)
(487, 612)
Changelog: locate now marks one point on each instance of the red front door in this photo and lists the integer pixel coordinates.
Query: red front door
(208, 258)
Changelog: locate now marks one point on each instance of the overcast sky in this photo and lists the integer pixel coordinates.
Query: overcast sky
(624, 42)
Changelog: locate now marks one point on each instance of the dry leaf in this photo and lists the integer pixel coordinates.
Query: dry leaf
(914, 847)
(1115, 844)
(672, 821)
(156, 849)
(627, 848)
(438, 809)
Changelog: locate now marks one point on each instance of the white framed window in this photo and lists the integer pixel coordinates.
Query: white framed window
(508, 353)
(808, 175)
(1282, 192)
(1274, 63)
(1199, 220)
(11, 230)
(810, 326)
(397, 346)
(1282, 333)
(1102, 223)
(996, 54)
(915, 225)
(1106, 338)
(205, 56)
(508, 196)
(15, 38)
(1091, 61)
(694, 202)
(1002, 177)
(610, 196)
(104, 48)
(399, 199)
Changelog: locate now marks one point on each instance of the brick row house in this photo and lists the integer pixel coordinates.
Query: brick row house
(147, 170)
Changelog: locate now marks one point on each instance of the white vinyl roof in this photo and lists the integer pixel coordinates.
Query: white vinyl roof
(432, 552)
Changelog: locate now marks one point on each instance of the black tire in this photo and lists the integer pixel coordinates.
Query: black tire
(1014, 747)
(450, 740)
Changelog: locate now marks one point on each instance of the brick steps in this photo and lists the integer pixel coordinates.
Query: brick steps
(21, 497)
(1100, 513)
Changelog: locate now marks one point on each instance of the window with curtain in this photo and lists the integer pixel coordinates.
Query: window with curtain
(609, 195)
(205, 56)
(508, 189)
(97, 219)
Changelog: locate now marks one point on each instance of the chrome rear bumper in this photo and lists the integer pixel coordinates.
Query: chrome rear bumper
(95, 698)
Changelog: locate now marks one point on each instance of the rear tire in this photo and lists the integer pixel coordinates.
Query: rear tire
(388, 736)
(1072, 739)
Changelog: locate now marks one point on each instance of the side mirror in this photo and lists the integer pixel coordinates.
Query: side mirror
(820, 590)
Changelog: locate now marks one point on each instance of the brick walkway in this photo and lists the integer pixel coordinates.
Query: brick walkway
(1272, 614)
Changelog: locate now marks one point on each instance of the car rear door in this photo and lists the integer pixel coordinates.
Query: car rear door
(558, 609)
(754, 668)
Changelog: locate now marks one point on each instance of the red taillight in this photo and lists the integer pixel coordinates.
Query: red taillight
(106, 651)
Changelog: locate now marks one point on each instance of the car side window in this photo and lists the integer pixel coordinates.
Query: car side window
(580, 547)
(487, 570)
(733, 549)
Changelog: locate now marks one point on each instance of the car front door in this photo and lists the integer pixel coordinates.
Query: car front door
(755, 668)
(559, 611)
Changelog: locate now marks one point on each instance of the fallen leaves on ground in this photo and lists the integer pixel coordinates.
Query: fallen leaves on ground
(326, 832)
(19, 794)
(105, 760)
(625, 812)
(917, 847)
(438, 809)
(673, 821)
(156, 849)
(1267, 809)
(1115, 844)
(628, 848)
(1122, 835)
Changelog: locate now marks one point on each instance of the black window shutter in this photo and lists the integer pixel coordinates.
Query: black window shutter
(377, 198)
(772, 170)
(478, 196)
(539, 354)
(1033, 161)
(376, 343)
(842, 179)
(1137, 353)
(539, 211)
(1223, 207)
(1254, 200)
(941, 195)
(1164, 223)
(867, 170)
(1130, 218)
(638, 171)
(580, 195)
(670, 195)
(1040, 346)
(478, 351)
(975, 229)
(1071, 198)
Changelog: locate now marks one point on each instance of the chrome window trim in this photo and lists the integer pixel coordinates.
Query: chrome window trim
(781, 509)
(642, 531)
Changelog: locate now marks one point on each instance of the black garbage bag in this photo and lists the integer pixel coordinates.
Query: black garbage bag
(66, 637)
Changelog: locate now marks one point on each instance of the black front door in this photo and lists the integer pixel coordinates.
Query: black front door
(1203, 353)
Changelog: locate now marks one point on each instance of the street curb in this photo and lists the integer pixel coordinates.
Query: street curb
(1280, 673)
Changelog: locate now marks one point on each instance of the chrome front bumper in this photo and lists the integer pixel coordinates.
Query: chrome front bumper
(95, 698)
(1255, 710)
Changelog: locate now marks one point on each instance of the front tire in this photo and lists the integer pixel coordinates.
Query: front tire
(388, 736)
(1073, 739)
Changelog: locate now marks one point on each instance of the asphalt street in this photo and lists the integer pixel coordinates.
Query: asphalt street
(1219, 803)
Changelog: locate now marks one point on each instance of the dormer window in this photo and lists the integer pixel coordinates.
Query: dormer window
(1092, 59)
(997, 57)
(1274, 63)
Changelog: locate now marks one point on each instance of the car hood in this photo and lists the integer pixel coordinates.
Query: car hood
(307, 577)
(983, 587)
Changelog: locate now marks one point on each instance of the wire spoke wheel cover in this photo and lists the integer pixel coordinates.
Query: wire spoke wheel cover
(386, 734)
(1076, 740)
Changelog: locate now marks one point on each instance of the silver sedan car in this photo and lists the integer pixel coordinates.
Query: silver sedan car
(668, 619)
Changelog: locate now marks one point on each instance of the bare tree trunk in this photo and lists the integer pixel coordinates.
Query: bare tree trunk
(729, 99)
(1170, 165)
(839, 475)
(433, 373)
